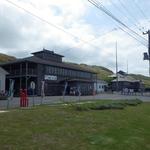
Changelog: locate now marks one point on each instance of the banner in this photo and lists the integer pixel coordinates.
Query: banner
(11, 88)
(42, 89)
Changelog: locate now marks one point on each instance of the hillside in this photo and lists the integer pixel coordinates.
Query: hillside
(6, 58)
(102, 72)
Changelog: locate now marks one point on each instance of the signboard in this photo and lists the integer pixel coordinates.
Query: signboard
(32, 85)
(50, 77)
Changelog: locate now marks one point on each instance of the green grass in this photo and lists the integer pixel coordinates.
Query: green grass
(63, 128)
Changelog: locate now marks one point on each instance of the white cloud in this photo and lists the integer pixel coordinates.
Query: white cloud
(22, 33)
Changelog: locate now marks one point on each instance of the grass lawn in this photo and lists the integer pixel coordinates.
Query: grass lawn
(64, 128)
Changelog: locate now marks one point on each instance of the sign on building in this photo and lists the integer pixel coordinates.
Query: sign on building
(50, 77)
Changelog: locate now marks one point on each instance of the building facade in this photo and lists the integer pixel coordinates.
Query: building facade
(124, 81)
(100, 86)
(47, 66)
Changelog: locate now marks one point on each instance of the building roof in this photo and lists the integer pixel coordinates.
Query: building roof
(125, 79)
(38, 60)
(47, 52)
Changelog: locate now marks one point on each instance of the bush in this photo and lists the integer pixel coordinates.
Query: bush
(109, 106)
(134, 102)
(116, 105)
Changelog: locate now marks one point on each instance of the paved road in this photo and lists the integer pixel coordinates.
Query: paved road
(57, 99)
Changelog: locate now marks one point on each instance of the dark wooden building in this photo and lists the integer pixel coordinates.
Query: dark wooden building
(48, 66)
(126, 81)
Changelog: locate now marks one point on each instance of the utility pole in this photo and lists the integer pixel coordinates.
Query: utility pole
(147, 55)
(116, 67)
(127, 67)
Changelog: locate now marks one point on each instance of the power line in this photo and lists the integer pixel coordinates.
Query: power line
(123, 13)
(81, 58)
(133, 37)
(43, 20)
(128, 11)
(102, 8)
(49, 23)
(140, 9)
(89, 40)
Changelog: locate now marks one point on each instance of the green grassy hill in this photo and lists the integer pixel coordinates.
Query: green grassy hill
(102, 72)
(5, 58)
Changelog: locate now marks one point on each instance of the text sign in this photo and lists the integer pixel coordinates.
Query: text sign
(50, 77)
(32, 85)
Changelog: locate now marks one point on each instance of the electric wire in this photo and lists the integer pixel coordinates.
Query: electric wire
(140, 9)
(49, 23)
(123, 13)
(102, 8)
(76, 46)
(128, 11)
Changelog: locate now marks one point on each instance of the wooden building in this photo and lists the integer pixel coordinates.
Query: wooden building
(48, 66)
(126, 81)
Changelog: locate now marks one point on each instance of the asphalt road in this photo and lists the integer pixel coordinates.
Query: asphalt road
(15, 103)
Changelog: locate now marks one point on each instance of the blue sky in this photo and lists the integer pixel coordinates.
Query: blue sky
(22, 33)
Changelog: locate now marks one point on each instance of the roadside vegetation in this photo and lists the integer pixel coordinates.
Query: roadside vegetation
(63, 127)
(107, 105)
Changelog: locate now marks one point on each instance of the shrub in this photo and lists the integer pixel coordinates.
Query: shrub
(81, 107)
(109, 106)
(116, 105)
(133, 102)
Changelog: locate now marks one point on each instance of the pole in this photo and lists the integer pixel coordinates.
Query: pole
(42, 91)
(148, 32)
(149, 49)
(64, 92)
(127, 68)
(20, 75)
(33, 97)
(26, 80)
(116, 67)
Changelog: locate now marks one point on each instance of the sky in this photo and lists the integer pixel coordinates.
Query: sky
(78, 30)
